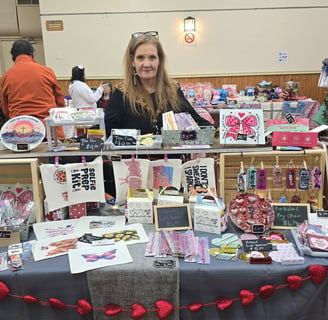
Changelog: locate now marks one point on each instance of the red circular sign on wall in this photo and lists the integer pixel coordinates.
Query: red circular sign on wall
(189, 37)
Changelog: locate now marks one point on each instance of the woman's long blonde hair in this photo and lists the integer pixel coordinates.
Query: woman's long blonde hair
(166, 89)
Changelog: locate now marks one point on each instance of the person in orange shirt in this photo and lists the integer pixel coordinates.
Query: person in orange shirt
(29, 88)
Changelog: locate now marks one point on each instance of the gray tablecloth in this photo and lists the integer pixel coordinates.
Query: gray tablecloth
(137, 282)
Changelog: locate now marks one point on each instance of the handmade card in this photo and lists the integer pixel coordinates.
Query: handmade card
(131, 234)
(164, 173)
(51, 248)
(91, 223)
(97, 257)
(241, 126)
(199, 174)
(130, 173)
(55, 229)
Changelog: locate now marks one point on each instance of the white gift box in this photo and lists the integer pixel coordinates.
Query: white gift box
(169, 195)
(207, 215)
(140, 206)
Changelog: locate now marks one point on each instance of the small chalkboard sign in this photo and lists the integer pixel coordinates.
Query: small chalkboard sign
(122, 140)
(188, 135)
(289, 215)
(5, 234)
(91, 144)
(257, 245)
(172, 217)
(242, 136)
(258, 228)
(322, 214)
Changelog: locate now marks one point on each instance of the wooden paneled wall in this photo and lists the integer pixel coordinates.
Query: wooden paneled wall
(308, 82)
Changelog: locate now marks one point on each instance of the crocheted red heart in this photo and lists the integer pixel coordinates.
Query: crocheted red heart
(247, 297)
(83, 307)
(223, 303)
(30, 299)
(318, 273)
(138, 311)
(193, 307)
(266, 291)
(4, 290)
(294, 282)
(164, 307)
(112, 309)
(57, 304)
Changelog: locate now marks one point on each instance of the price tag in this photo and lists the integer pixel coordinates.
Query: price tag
(257, 245)
(91, 144)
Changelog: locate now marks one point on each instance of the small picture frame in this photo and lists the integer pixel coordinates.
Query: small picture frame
(172, 217)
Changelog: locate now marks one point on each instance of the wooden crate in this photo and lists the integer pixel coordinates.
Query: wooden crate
(24, 171)
(230, 167)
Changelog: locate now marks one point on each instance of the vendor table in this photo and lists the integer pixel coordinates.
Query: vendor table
(188, 283)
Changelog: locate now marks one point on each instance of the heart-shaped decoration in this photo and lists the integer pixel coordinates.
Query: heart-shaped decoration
(247, 297)
(4, 290)
(266, 291)
(138, 311)
(164, 307)
(30, 299)
(112, 309)
(318, 273)
(57, 304)
(83, 307)
(193, 307)
(223, 303)
(19, 190)
(294, 282)
(241, 114)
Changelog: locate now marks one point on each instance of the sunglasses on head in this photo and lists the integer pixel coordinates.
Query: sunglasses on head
(146, 33)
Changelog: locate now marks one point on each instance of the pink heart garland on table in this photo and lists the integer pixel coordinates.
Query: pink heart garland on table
(138, 311)
(247, 297)
(266, 291)
(112, 309)
(30, 299)
(83, 307)
(318, 273)
(193, 307)
(223, 303)
(57, 304)
(164, 307)
(4, 290)
(294, 282)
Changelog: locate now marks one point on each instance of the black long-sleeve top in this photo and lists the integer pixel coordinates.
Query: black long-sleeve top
(118, 115)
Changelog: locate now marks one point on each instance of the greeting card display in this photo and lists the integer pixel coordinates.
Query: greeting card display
(241, 126)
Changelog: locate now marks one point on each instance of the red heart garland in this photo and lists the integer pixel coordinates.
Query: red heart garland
(266, 291)
(57, 304)
(318, 273)
(294, 282)
(112, 309)
(138, 311)
(30, 299)
(193, 307)
(247, 297)
(164, 307)
(223, 303)
(83, 307)
(4, 290)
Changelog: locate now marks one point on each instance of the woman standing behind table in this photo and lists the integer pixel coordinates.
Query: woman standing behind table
(104, 100)
(147, 91)
(82, 95)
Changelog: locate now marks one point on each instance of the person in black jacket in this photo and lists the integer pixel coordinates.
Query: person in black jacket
(146, 91)
(104, 100)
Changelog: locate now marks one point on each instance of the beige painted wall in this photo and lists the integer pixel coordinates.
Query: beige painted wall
(232, 37)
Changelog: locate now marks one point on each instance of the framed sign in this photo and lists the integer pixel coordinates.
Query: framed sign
(289, 215)
(172, 217)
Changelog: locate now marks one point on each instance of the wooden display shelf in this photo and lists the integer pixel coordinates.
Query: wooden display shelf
(230, 167)
(25, 171)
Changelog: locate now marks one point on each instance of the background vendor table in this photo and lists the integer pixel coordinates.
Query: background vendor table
(51, 278)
